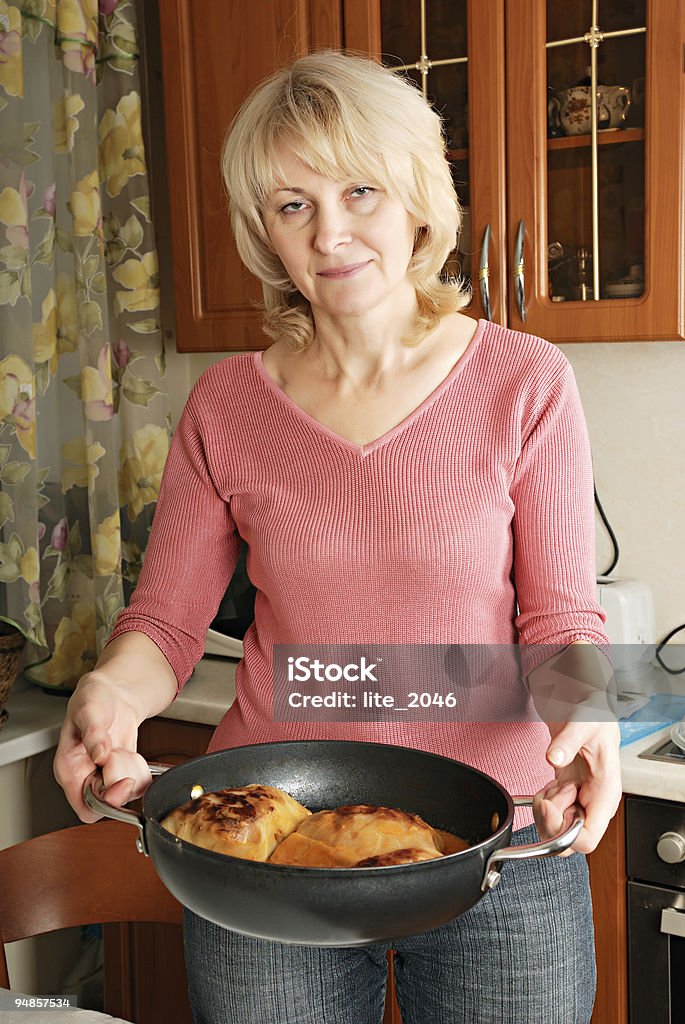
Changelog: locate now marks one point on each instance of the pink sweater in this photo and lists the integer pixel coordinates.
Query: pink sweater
(478, 502)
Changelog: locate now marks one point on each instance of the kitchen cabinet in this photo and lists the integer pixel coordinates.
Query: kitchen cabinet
(207, 57)
(608, 883)
(596, 212)
(612, 200)
(213, 53)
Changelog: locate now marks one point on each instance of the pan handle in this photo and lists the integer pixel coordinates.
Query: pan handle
(94, 785)
(547, 848)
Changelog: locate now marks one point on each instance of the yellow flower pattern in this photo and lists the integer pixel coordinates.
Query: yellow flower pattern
(96, 388)
(107, 546)
(14, 215)
(17, 402)
(29, 566)
(79, 343)
(11, 62)
(65, 121)
(85, 458)
(67, 314)
(45, 333)
(74, 651)
(85, 205)
(77, 24)
(142, 463)
(122, 154)
(142, 280)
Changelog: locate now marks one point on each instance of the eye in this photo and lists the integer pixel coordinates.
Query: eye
(296, 206)
(362, 191)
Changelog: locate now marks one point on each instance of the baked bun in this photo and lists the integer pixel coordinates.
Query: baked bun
(302, 852)
(247, 822)
(347, 835)
(447, 842)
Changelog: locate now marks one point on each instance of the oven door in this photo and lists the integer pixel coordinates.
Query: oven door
(656, 966)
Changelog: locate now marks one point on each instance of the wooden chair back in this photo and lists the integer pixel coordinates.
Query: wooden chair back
(89, 874)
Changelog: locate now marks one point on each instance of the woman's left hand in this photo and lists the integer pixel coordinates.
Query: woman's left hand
(585, 756)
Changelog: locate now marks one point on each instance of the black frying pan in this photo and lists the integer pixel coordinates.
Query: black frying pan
(336, 906)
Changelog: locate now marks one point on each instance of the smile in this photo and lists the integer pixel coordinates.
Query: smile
(338, 272)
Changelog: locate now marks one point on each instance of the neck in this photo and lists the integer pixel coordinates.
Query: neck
(365, 347)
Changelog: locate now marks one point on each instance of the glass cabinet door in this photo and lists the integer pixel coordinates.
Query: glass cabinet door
(596, 158)
(428, 42)
(595, 205)
(454, 51)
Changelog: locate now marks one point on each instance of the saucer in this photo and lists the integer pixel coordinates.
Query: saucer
(624, 290)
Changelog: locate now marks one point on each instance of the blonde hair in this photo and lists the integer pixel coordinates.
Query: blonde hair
(343, 116)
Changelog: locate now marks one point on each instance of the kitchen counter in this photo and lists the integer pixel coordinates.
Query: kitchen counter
(651, 778)
(207, 695)
(35, 717)
(35, 720)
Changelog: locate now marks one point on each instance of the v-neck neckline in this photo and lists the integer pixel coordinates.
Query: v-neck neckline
(382, 439)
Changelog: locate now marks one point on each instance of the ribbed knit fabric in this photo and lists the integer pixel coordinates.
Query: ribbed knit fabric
(481, 499)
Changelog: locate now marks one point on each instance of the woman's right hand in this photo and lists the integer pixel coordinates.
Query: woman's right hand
(100, 730)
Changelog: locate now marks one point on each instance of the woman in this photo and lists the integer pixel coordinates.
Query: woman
(401, 474)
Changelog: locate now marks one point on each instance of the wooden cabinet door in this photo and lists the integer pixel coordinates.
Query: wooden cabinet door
(607, 866)
(213, 53)
(639, 168)
(388, 29)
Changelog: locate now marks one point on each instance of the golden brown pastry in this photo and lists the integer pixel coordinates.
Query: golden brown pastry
(447, 842)
(247, 822)
(359, 831)
(303, 852)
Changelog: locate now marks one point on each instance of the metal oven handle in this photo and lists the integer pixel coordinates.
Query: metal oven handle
(673, 922)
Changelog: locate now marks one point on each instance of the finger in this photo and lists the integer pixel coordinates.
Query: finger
(568, 742)
(72, 770)
(550, 806)
(93, 723)
(119, 793)
(127, 764)
(599, 798)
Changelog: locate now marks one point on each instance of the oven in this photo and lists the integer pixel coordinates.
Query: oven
(655, 841)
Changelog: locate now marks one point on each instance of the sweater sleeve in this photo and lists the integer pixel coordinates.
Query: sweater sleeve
(553, 525)
(190, 558)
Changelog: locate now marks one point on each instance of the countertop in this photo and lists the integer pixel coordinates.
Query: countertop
(35, 719)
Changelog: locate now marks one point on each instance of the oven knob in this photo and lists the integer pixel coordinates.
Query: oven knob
(671, 847)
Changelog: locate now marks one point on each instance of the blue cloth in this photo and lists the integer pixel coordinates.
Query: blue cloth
(523, 953)
(663, 709)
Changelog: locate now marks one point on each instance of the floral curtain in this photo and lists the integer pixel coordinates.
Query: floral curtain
(84, 425)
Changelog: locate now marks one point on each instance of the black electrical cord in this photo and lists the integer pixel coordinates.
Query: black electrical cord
(660, 647)
(612, 535)
(669, 636)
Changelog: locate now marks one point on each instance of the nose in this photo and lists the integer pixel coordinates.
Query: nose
(331, 228)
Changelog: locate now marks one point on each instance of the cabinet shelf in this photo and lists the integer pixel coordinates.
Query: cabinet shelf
(605, 137)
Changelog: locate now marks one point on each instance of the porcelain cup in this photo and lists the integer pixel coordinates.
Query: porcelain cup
(573, 110)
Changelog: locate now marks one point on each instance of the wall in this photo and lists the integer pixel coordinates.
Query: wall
(633, 399)
(633, 396)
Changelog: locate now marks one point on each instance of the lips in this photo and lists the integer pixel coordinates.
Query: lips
(340, 272)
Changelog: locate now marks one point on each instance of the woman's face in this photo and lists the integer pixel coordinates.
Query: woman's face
(345, 245)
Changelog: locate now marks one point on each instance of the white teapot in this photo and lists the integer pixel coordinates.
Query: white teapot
(571, 108)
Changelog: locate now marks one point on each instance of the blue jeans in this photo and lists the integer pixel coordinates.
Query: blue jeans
(524, 954)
